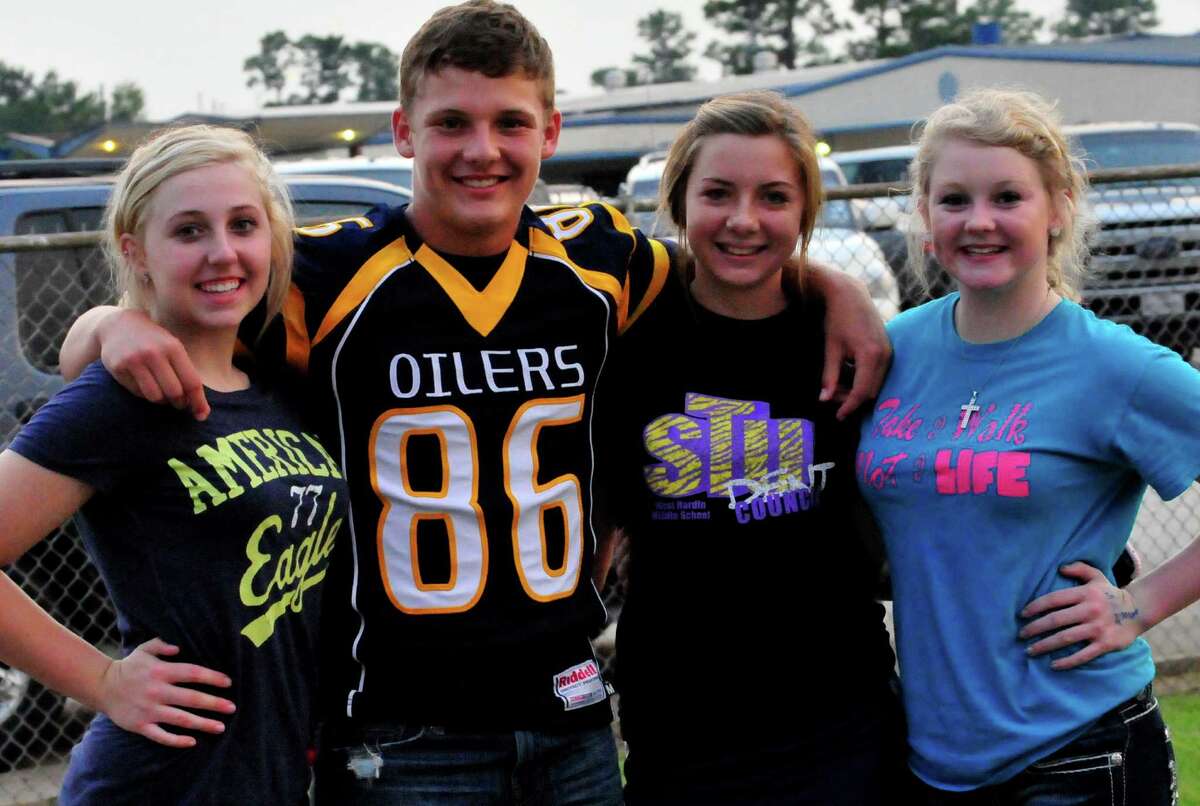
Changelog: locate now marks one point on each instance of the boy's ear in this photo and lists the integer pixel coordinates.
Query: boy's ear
(550, 133)
(402, 132)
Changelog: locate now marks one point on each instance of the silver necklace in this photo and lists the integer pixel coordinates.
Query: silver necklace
(970, 407)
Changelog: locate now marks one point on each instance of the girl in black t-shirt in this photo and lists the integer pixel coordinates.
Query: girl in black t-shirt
(752, 660)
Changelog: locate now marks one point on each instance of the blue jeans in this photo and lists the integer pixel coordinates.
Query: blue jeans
(435, 766)
(1124, 759)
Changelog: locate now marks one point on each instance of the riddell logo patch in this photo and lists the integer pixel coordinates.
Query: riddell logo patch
(579, 686)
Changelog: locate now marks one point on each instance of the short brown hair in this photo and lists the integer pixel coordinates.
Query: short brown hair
(482, 36)
(755, 114)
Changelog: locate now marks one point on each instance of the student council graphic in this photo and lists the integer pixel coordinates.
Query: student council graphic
(734, 450)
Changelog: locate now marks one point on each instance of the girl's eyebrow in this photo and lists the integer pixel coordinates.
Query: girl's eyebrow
(239, 208)
(773, 183)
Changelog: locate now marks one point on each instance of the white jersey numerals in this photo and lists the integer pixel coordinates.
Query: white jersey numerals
(456, 505)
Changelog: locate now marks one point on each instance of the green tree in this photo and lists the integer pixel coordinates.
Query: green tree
(128, 102)
(817, 21)
(268, 67)
(319, 69)
(324, 68)
(377, 71)
(1106, 18)
(793, 30)
(15, 84)
(49, 106)
(670, 45)
(901, 27)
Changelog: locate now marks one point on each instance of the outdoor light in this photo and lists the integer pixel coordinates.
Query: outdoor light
(109, 146)
(348, 135)
(823, 148)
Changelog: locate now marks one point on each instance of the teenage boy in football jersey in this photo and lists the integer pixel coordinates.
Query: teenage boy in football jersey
(453, 348)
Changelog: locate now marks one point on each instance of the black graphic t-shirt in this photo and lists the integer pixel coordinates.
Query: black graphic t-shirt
(214, 536)
(751, 584)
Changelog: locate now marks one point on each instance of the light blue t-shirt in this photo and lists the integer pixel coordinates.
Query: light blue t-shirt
(1075, 418)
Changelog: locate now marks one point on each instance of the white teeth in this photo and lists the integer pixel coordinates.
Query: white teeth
(982, 250)
(220, 286)
(740, 251)
(481, 183)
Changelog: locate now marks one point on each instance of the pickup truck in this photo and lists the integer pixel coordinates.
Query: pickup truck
(41, 294)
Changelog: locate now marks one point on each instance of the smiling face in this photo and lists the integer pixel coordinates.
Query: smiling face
(205, 247)
(477, 144)
(990, 216)
(744, 201)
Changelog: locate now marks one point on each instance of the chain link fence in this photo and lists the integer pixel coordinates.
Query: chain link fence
(1145, 272)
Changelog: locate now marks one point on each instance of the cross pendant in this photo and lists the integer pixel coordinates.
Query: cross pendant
(968, 409)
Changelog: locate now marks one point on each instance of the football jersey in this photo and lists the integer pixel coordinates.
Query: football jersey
(461, 408)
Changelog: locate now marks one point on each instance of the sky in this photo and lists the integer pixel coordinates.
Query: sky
(187, 57)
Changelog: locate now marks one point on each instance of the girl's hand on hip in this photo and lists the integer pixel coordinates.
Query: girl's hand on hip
(1094, 613)
(142, 693)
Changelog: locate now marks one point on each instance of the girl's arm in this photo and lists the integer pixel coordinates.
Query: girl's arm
(1105, 618)
(140, 692)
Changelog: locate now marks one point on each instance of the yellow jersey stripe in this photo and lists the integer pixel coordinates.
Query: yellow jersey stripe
(662, 265)
(484, 309)
(295, 330)
(546, 244)
(361, 284)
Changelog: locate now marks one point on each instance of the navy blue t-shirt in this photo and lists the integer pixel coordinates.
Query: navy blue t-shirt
(216, 537)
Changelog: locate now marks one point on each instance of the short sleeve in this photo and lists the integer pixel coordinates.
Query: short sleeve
(92, 430)
(1159, 432)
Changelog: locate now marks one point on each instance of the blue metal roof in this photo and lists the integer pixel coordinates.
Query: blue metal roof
(1134, 49)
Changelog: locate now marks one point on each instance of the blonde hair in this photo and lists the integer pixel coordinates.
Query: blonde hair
(753, 114)
(1029, 124)
(170, 152)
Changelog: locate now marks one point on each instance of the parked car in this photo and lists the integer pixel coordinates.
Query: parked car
(571, 194)
(41, 294)
(885, 218)
(1144, 269)
(394, 170)
(1145, 265)
(838, 240)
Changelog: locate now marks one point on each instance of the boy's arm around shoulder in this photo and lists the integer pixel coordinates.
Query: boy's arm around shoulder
(854, 334)
(141, 355)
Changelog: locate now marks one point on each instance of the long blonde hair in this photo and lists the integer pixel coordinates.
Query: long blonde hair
(1029, 124)
(170, 152)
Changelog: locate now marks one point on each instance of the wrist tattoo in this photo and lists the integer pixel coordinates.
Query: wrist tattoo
(1122, 605)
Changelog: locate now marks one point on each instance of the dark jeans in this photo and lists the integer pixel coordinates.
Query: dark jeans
(855, 757)
(1124, 758)
(435, 766)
